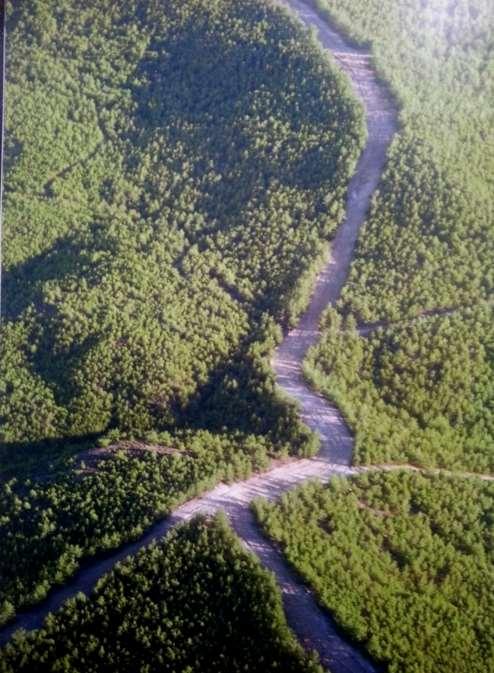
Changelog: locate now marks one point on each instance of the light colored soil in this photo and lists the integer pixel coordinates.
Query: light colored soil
(89, 460)
(436, 471)
(312, 625)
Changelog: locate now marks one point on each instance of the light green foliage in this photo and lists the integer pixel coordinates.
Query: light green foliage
(173, 170)
(197, 602)
(423, 393)
(419, 392)
(429, 240)
(48, 525)
(404, 562)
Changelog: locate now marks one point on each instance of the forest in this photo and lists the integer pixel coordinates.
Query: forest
(173, 173)
(416, 392)
(85, 507)
(197, 602)
(423, 393)
(429, 240)
(172, 177)
(403, 561)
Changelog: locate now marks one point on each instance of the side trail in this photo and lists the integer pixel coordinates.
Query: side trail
(312, 624)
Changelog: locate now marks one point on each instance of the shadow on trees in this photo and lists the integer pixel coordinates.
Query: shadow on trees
(36, 458)
(241, 396)
(24, 283)
(200, 92)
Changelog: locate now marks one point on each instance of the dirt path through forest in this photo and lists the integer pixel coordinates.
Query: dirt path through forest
(312, 625)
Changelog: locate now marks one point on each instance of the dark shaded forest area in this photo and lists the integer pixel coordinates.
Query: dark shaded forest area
(197, 602)
(172, 177)
(173, 174)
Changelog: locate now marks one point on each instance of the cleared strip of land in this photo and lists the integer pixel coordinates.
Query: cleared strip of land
(313, 625)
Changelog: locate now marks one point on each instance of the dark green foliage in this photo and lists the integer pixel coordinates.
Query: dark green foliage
(47, 526)
(424, 393)
(429, 240)
(196, 603)
(404, 562)
(419, 392)
(173, 172)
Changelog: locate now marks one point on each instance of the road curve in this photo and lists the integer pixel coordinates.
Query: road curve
(312, 625)
(381, 119)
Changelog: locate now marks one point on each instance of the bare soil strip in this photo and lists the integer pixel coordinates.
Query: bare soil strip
(312, 625)
(365, 329)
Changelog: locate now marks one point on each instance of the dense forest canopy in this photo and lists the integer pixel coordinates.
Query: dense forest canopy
(424, 393)
(404, 562)
(173, 173)
(429, 240)
(197, 602)
(419, 391)
(173, 170)
(51, 523)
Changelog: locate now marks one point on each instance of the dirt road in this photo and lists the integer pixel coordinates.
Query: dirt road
(312, 625)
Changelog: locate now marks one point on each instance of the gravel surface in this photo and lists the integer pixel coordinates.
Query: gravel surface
(312, 624)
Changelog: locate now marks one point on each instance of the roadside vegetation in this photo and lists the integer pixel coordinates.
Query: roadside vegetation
(429, 240)
(173, 172)
(404, 562)
(420, 392)
(423, 393)
(49, 525)
(197, 602)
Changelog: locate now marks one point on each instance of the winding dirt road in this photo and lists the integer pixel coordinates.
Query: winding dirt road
(381, 118)
(312, 625)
